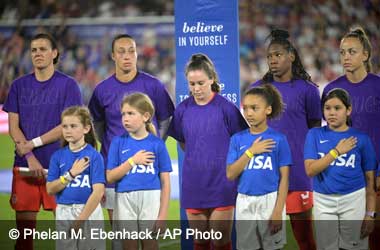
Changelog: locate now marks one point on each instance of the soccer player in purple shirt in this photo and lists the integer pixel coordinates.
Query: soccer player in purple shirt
(203, 125)
(364, 89)
(34, 105)
(108, 94)
(302, 111)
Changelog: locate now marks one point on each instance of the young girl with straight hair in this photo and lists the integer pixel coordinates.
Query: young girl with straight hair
(77, 177)
(342, 162)
(259, 157)
(139, 164)
(364, 88)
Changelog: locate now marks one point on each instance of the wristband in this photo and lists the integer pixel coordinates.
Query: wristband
(67, 176)
(131, 162)
(249, 154)
(63, 180)
(334, 153)
(28, 155)
(37, 142)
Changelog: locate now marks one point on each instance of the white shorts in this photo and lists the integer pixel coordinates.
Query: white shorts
(108, 200)
(65, 216)
(136, 210)
(252, 218)
(338, 220)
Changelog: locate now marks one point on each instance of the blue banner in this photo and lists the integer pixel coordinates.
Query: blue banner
(209, 27)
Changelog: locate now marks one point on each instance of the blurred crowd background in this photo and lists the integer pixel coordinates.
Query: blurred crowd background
(315, 26)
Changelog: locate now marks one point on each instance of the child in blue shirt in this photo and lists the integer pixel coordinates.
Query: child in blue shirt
(77, 177)
(260, 157)
(342, 162)
(139, 164)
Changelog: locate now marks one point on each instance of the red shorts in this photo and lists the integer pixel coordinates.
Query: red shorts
(207, 210)
(299, 201)
(28, 193)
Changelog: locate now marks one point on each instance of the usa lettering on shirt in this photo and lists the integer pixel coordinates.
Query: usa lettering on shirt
(343, 160)
(259, 162)
(80, 181)
(142, 169)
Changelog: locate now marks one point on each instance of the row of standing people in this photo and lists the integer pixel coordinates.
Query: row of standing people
(194, 134)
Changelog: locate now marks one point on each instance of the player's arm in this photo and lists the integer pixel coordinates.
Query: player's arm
(235, 169)
(370, 191)
(92, 202)
(368, 222)
(19, 139)
(56, 186)
(276, 217)
(14, 130)
(315, 166)
(46, 138)
(165, 195)
(163, 127)
(100, 128)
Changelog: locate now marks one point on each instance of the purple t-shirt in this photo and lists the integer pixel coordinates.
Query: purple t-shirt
(365, 97)
(206, 131)
(106, 99)
(302, 103)
(39, 106)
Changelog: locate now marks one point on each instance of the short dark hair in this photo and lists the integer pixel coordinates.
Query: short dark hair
(52, 41)
(120, 36)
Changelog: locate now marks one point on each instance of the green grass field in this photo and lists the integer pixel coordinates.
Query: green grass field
(7, 214)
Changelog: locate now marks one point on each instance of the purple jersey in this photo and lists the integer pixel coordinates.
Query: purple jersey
(206, 131)
(106, 99)
(39, 106)
(365, 97)
(302, 103)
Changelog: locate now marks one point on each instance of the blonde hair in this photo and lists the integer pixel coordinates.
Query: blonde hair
(143, 104)
(84, 117)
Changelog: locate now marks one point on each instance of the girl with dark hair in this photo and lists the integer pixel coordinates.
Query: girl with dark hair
(260, 158)
(364, 88)
(203, 125)
(302, 111)
(76, 176)
(342, 162)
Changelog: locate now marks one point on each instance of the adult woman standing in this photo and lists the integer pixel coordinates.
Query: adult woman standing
(203, 125)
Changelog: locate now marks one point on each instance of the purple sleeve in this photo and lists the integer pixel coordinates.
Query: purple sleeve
(95, 107)
(11, 104)
(255, 84)
(234, 120)
(175, 127)
(313, 104)
(73, 96)
(162, 103)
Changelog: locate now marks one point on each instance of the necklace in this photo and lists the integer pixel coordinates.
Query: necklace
(79, 148)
